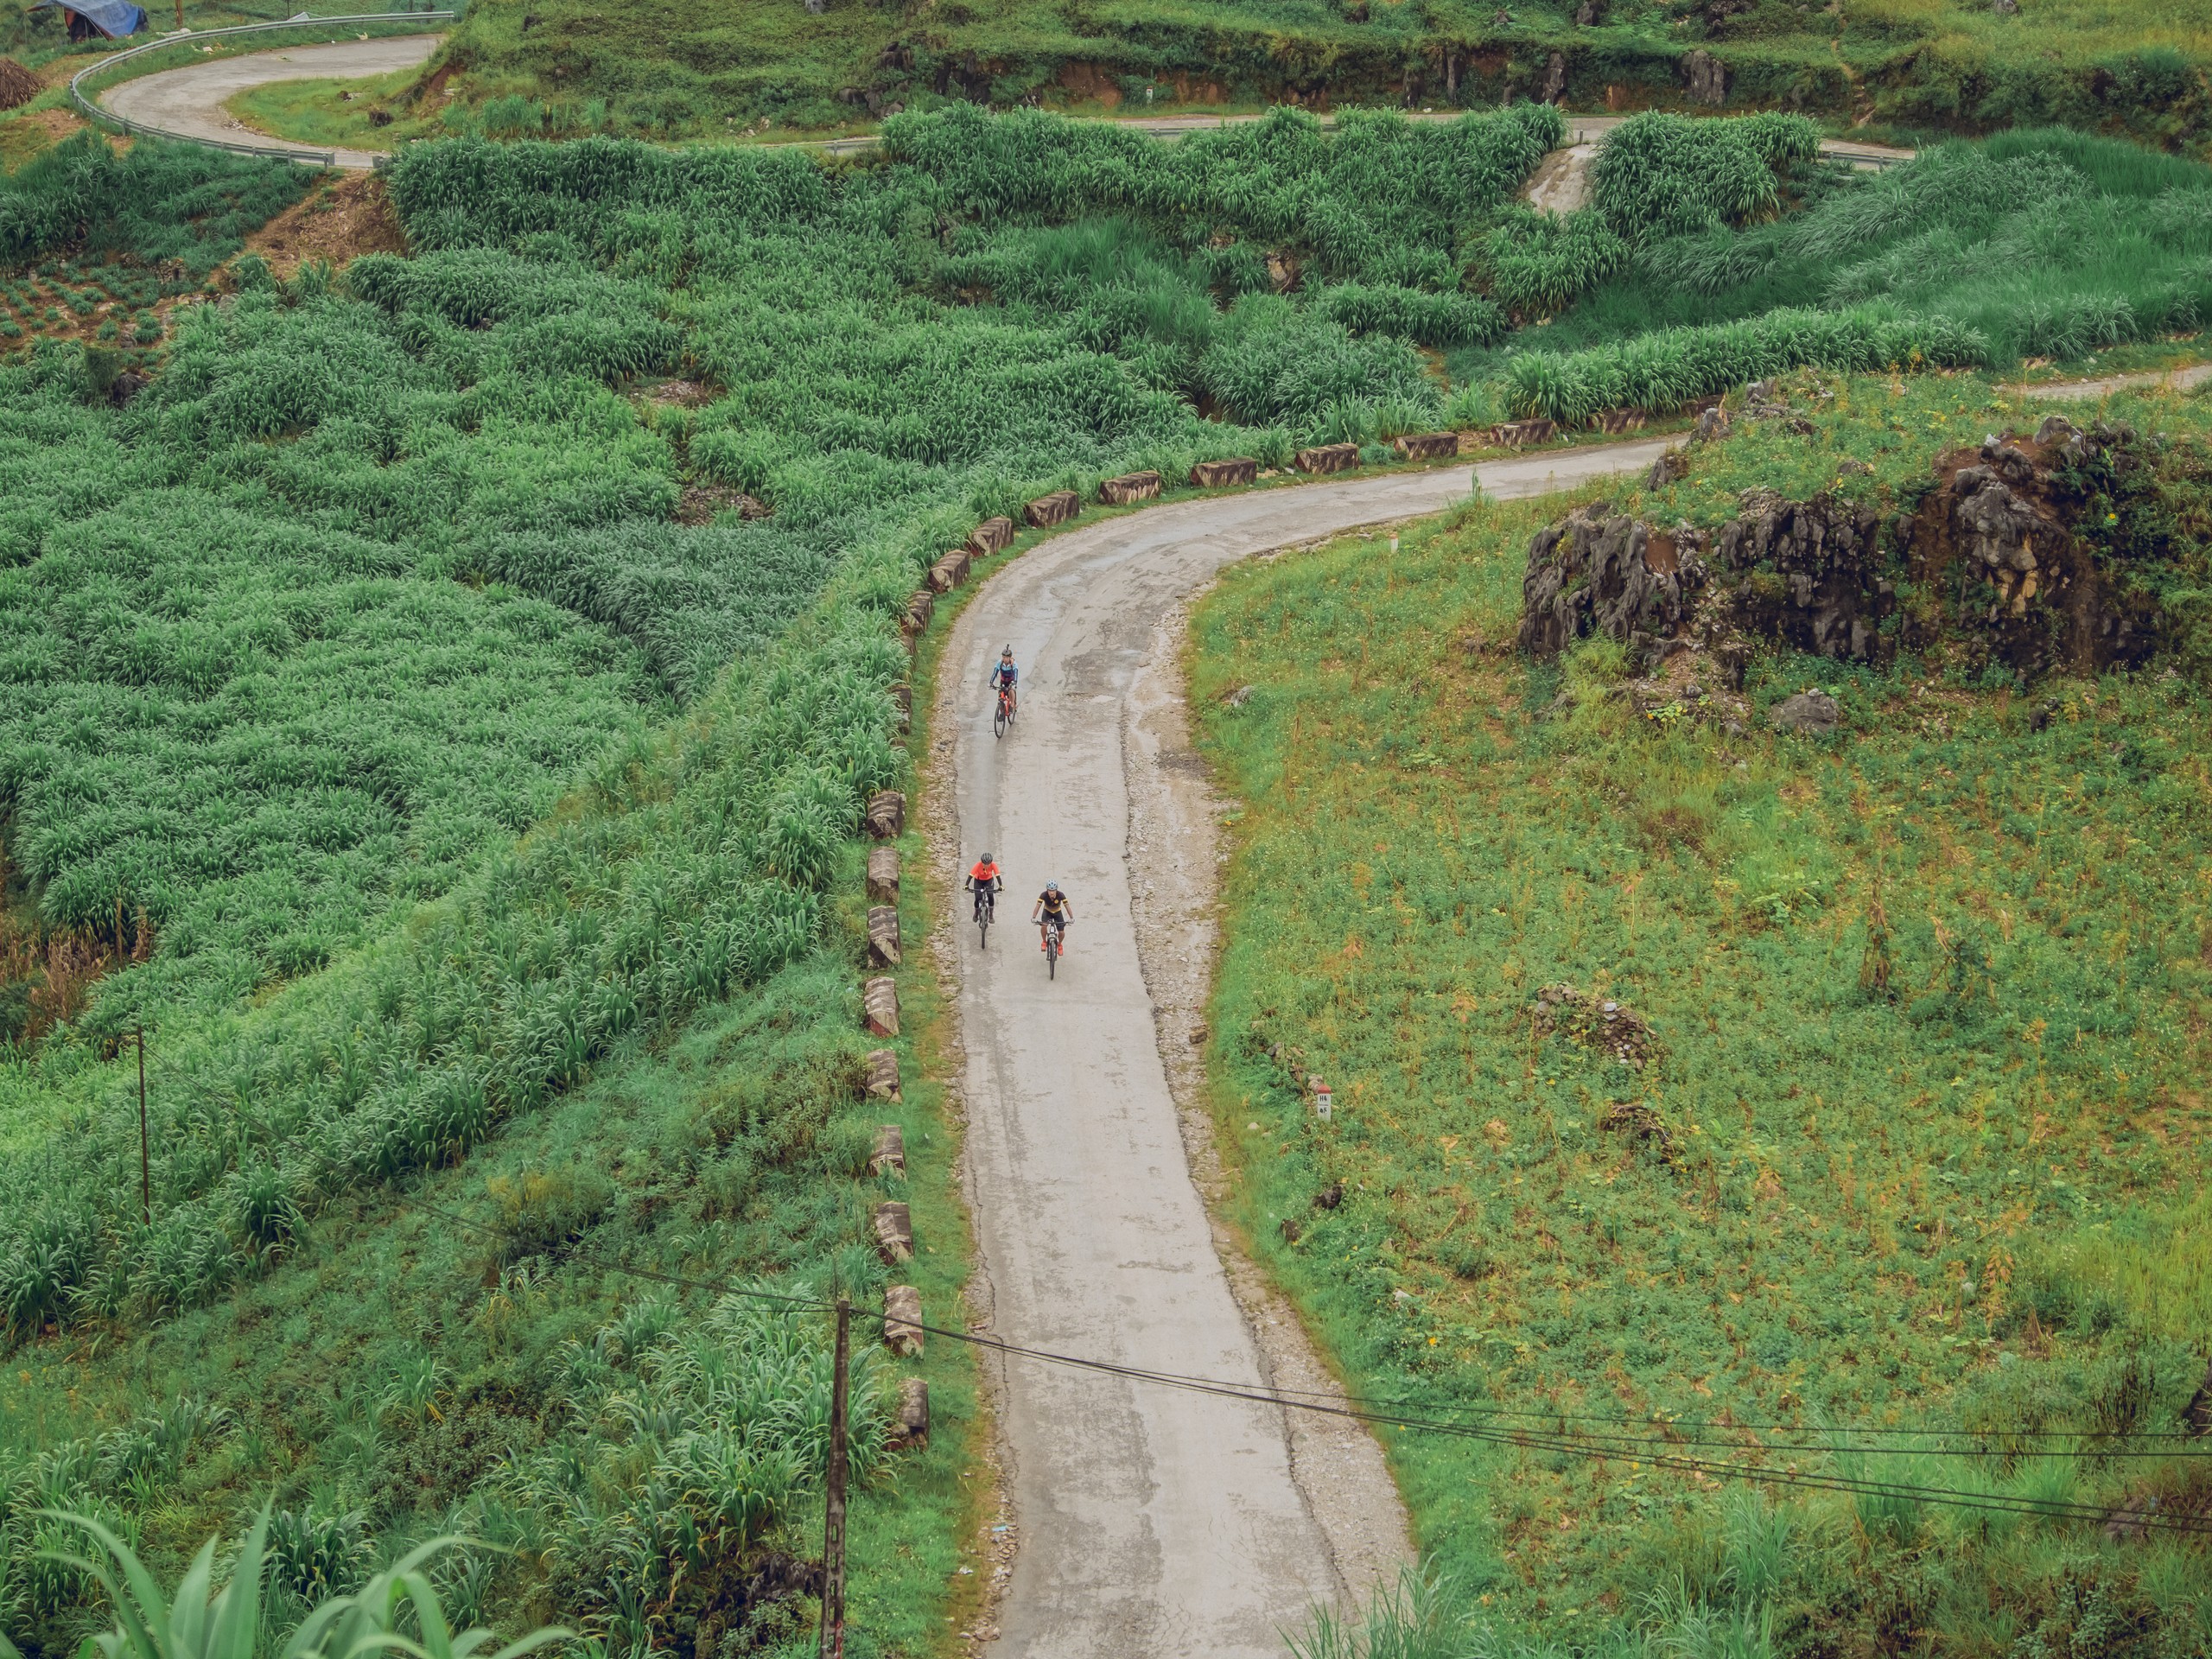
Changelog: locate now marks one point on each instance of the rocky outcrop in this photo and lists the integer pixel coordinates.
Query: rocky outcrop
(2022, 553)
(1596, 571)
(1808, 574)
(1706, 76)
(1998, 549)
(1595, 1021)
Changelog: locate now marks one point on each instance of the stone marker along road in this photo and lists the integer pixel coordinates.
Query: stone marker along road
(1151, 1521)
(190, 101)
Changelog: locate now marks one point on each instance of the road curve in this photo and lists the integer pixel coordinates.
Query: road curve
(190, 101)
(1151, 1521)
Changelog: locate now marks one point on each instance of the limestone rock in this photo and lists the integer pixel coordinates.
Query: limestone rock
(1665, 470)
(1810, 575)
(1597, 571)
(1814, 713)
(1554, 80)
(1595, 1021)
(1706, 76)
(2039, 595)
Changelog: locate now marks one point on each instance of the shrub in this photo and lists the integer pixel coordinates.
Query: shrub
(1439, 319)
(1537, 264)
(1669, 174)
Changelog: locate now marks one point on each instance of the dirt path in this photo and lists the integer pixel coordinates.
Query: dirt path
(2182, 379)
(1150, 1522)
(1561, 182)
(190, 101)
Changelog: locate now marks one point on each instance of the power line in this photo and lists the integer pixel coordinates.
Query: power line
(1659, 1453)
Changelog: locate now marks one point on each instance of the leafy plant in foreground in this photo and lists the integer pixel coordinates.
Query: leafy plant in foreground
(396, 1609)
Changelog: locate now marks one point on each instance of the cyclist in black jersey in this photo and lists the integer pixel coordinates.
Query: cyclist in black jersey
(1052, 907)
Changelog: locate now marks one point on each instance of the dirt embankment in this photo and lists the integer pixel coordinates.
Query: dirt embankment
(337, 222)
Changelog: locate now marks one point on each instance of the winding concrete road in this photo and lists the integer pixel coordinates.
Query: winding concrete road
(1151, 1521)
(190, 101)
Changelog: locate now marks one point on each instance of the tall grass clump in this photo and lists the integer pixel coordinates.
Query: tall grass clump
(157, 202)
(1662, 371)
(1666, 175)
(1381, 200)
(1269, 364)
(1537, 264)
(2049, 243)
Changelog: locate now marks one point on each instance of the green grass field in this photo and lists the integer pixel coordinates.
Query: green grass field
(337, 112)
(443, 696)
(1977, 1202)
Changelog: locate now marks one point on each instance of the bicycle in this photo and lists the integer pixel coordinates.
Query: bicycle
(1053, 931)
(985, 909)
(1004, 717)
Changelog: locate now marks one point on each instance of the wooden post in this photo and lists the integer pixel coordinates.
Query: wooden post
(833, 1530)
(145, 1162)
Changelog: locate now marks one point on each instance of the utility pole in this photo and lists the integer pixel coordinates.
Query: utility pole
(833, 1530)
(145, 1162)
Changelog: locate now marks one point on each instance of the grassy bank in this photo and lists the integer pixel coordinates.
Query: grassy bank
(1973, 1200)
(1898, 65)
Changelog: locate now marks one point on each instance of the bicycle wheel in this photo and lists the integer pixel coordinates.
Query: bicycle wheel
(983, 924)
(1051, 952)
(999, 720)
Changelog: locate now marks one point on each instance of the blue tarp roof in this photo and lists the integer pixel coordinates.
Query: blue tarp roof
(111, 18)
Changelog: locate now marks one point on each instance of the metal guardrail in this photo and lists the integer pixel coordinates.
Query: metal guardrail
(93, 113)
